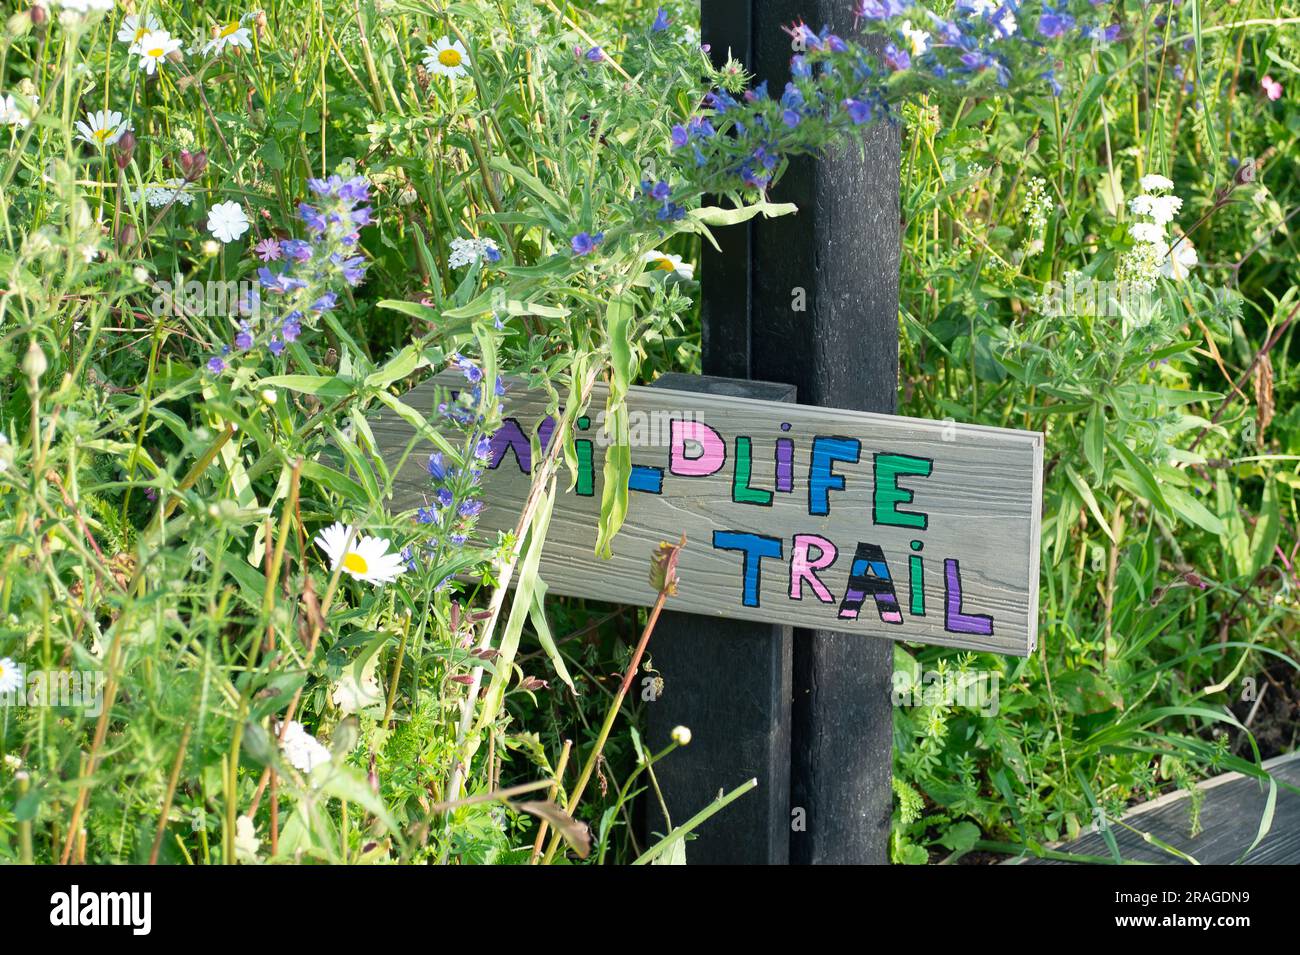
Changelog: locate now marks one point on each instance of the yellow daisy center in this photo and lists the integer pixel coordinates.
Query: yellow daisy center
(449, 57)
(355, 562)
(101, 134)
(665, 265)
(229, 29)
(156, 52)
(141, 32)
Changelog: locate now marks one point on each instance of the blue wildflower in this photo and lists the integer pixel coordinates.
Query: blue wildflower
(661, 21)
(584, 243)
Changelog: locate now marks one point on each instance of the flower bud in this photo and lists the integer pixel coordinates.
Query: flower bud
(193, 164)
(38, 15)
(34, 362)
(125, 148)
(268, 396)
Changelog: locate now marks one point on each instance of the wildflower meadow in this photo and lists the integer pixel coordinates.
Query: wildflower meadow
(243, 244)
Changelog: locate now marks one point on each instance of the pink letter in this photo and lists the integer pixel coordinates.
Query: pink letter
(801, 568)
(708, 461)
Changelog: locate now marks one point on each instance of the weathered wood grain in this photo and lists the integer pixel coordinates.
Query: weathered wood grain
(1230, 815)
(982, 499)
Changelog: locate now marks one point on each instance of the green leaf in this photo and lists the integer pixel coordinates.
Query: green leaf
(1144, 481)
(1094, 442)
(407, 361)
(716, 215)
(1191, 510)
(323, 386)
(1267, 529)
(537, 614)
(1086, 494)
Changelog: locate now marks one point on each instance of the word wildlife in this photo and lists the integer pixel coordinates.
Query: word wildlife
(696, 450)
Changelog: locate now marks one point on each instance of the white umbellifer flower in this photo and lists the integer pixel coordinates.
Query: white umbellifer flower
(1178, 264)
(1155, 181)
(233, 33)
(681, 735)
(667, 262)
(447, 57)
(1160, 208)
(11, 675)
(159, 194)
(303, 751)
(134, 28)
(153, 48)
(227, 221)
(366, 559)
(12, 112)
(468, 251)
(918, 41)
(13, 762)
(102, 128)
(1148, 232)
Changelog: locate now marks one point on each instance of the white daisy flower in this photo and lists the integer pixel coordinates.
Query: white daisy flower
(153, 48)
(11, 675)
(12, 112)
(917, 40)
(367, 558)
(667, 262)
(447, 57)
(303, 751)
(134, 28)
(227, 221)
(1179, 263)
(1155, 181)
(102, 128)
(233, 33)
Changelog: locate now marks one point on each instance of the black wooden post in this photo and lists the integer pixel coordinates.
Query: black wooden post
(728, 681)
(842, 250)
(809, 300)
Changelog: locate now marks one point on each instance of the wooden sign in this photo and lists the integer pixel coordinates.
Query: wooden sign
(840, 520)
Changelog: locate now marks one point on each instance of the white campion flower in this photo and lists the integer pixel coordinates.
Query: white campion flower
(134, 28)
(669, 263)
(227, 221)
(1153, 181)
(11, 675)
(447, 57)
(102, 128)
(918, 41)
(1179, 262)
(232, 33)
(246, 842)
(366, 559)
(303, 751)
(153, 49)
(12, 112)
(352, 695)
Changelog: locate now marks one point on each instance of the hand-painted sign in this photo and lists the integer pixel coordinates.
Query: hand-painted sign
(839, 520)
